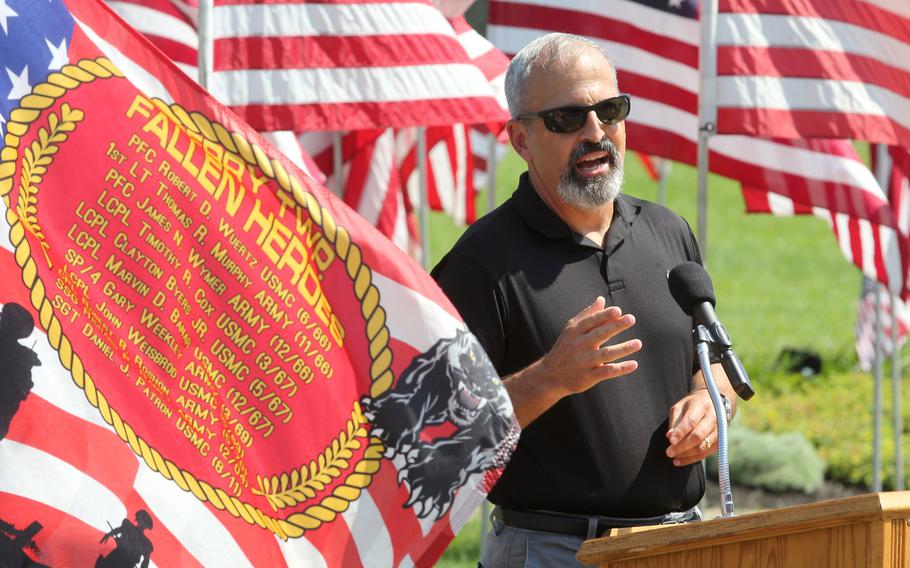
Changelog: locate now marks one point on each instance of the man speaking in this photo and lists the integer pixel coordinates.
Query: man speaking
(565, 285)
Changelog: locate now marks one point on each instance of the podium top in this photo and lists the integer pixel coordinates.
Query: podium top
(648, 541)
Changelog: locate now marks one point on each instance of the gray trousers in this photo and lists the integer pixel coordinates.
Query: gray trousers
(510, 547)
(519, 548)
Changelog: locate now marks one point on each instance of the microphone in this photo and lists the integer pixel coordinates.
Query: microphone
(691, 287)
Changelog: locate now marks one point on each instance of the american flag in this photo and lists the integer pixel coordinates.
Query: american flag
(815, 68)
(326, 65)
(370, 181)
(458, 155)
(62, 462)
(879, 243)
(494, 64)
(485, 144)
(865, 324)
(655, 44)
(449, 166)
(456, 158)
(863, 221)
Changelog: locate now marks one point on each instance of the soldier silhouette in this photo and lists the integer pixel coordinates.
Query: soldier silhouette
(133, 546)
(16, 361)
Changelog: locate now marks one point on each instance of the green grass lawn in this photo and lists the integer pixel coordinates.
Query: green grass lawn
(780, 282)
(465, 549)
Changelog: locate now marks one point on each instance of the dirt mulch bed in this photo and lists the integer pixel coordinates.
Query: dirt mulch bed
(751, 499)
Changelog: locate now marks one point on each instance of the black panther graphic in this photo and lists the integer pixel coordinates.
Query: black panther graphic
(16, 362)
(454, 382)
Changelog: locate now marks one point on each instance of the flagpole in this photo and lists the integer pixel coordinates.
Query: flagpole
(491, 173)
(877, 395)
(707, 112)
(205, 54)
(877, 403)
(883, 176)
(897, 419)
(337, 163)
(424, 195)
(663, 173)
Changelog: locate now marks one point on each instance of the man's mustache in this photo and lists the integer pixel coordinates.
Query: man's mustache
(587, 147)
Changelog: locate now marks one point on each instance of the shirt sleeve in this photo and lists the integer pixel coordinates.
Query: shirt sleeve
(692, 249)
(475, 294)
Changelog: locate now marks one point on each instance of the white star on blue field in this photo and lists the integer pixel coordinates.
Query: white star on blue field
(34, 40)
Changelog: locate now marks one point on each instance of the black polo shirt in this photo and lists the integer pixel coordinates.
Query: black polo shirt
(516, 276)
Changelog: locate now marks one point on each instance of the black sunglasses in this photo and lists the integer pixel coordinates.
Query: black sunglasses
(567, 119)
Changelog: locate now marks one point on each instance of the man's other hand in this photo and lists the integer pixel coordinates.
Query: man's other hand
(693, 429)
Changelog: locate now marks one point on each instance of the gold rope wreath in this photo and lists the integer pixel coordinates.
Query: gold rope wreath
(36, 159)
(302, 484)
(277, 491)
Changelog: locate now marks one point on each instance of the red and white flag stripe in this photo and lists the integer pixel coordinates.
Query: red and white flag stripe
(874, 248)
(485, 148)
(169, 24)
(814, 68)
(492, 62)
(881, 247)
(451, 160)
(343, 66)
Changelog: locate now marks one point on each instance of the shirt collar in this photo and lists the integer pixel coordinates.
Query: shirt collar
(536, 213)
(542, 219)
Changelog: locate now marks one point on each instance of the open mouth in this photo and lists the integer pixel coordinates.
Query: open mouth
(593, 166)
(467, 399)
(464, 406)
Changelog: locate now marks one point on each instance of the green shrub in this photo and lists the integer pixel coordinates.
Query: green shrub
(834, 412)
(464, 552)
(776, 462)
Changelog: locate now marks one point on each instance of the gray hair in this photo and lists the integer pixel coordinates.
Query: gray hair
(539, 55)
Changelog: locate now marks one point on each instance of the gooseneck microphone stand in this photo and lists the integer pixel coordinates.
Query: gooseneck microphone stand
(705, 343)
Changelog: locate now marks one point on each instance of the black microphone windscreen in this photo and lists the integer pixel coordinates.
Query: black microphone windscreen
(690, 286)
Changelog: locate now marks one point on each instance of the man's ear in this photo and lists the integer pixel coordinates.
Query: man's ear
(518, 136)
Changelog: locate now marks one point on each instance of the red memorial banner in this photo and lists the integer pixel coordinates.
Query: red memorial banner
(247, 336)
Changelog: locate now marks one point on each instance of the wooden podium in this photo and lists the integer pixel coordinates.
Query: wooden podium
(868, 531)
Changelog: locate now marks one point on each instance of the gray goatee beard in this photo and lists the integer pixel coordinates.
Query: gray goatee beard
(595, 192)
